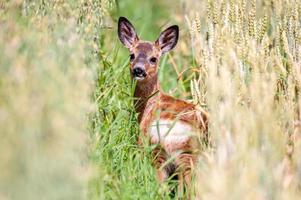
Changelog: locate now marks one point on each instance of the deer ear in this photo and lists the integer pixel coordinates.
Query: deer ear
(168, 39)
(126, 32)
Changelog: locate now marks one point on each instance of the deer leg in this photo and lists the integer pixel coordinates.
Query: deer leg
(160, 158)
(185, 162)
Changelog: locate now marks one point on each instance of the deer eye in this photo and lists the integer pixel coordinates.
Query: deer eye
(153, 60)
(132, 57)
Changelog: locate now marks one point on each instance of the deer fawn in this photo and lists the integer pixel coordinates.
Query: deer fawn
(173, 125)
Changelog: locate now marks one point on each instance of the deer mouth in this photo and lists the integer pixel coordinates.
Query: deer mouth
(139, 78)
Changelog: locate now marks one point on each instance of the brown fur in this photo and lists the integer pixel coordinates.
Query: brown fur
(152, 101)
(152, 104)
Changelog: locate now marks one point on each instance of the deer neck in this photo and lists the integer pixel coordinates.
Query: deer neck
(145, 93)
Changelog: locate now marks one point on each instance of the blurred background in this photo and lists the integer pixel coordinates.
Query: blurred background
(68, 126)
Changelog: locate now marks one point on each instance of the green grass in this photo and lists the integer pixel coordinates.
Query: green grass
(129, 174)
(55, 44)
(68, 125)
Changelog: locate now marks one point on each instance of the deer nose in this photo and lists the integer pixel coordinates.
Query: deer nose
(139, 72)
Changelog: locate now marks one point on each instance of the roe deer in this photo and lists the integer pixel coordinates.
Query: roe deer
(173, 125)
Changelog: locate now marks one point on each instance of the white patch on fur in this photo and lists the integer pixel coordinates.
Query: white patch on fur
(168, 132)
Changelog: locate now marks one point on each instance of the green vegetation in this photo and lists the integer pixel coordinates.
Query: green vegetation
(68, 127)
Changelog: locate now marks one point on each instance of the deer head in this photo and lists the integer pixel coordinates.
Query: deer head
(145, 55)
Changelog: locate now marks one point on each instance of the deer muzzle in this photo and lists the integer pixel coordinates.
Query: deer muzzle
(139, 73)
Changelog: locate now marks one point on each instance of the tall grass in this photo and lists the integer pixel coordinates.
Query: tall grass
(248, 54)
(68, 126)
(125, 169)
(45, 98)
